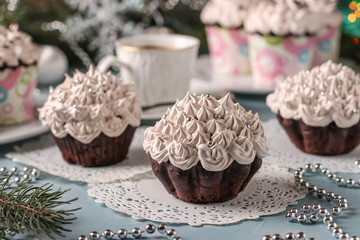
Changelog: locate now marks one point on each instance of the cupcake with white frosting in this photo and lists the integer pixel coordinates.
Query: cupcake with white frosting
(18, 75)
(227, 40)
(319, 109)
(206, 150)
(92, 117)
(284, 36)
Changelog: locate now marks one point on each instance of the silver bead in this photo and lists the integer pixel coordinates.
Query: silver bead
(339, 86)
(293, 210)
(323, 93)
(308, 167)
(301, 170)
(75, 106)
(137, 232)
(328, 218)
(61, 100)
(314, 218)
(306, 208)
(331, 176)
(300, 236)
(311, 238)
(43, 116)
(210, 143)
(94, 235)
(290, 216)
(51, 98)
(15, 171)
(247, 125)
(329, 196)
(301, 218)
(320, 193)
(339, 181)
(336, 231)
(331, 226)
(90, 90)
(108, 234)
(177, 238)
(343, 206)
(304, 85)
(304, 185)
(325, 171)
(354, 238)
(342, 200)
(289, 236)
(99, 82)
(350, 182)
(3, 171)
(162, 228)
(150, 228)
(35, 173)
(164, 116)
(27, 177)
(170, 234)
(217, 116)
(82, 237)
(10, 232)
(208, 95)
(316, 207)
(59, 91)
(357, 162)
(26, 170)
(307, 72)
(335, 211)
(76, 80)
(276, 237)
(188, 119)
(312, 189)
(336, 197)
(266, 237)
(318, 167)
(344, 236)
(122, 233)
(323, 212)
(356, 111)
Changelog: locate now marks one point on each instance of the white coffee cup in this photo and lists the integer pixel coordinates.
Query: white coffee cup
(160, 65)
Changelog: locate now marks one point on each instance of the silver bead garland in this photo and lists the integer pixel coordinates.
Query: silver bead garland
(18, 176)
(315, 213)
(135, 233)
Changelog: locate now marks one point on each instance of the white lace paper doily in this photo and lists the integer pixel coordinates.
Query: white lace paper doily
(283, 152)
(45, 155)
(269, 192)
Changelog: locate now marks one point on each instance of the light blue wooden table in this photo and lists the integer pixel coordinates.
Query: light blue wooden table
(95, 216)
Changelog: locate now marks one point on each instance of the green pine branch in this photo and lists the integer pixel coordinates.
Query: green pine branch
(28, 209)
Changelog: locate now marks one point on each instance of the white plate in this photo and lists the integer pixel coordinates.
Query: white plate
(9, 134)
(204, 77)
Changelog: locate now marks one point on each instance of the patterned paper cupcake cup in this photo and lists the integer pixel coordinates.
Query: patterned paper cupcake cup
(327, 45)
(228, 50)
(274, 58)
(16, 94)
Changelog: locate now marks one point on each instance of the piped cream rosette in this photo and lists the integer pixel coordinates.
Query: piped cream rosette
(327, 93)
(201, 128)
(86, 105)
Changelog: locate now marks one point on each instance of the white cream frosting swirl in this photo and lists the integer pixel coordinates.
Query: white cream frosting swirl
(226, 13)
(328, 93)
(201, 128)
(17, 47)
(86, 105)
(296, 17)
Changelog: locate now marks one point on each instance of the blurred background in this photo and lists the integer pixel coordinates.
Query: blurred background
(86, 29)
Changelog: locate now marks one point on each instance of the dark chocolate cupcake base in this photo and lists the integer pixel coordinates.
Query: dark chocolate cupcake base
(328, 140)
(102, 151)
(198, 185)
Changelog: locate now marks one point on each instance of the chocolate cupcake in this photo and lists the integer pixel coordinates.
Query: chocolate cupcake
(92, 117)
(206, 150)
(319, 109)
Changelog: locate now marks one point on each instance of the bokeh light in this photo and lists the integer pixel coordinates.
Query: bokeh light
(356, 41)
(355, 6)
(352, 17)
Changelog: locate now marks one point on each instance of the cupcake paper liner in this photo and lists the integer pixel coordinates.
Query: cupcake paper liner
(274, 58)
(16, 94)
(228, 50)
(328, 140)
(102, 151)
(200, 186)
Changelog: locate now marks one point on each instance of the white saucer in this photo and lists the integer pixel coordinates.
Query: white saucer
(204, 77)
(9, 134)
